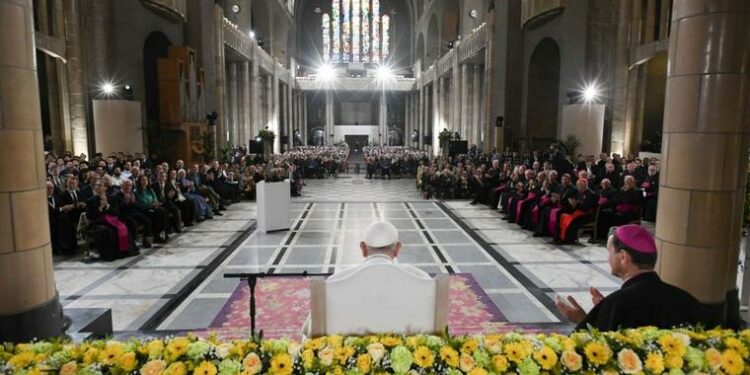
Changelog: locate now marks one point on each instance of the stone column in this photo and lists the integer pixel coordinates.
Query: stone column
(255, 99)
(304, 117)
(465, 109)
(289, 117)
(29, 305)
(245, 111)
(456, 87)
(234, 118)
(476, 108)
(329, 117)
(220, 69)
(269, 102)
(408, 123)
(442, 104)
(76, 80)
(383, 120)
(276, 111)
(704, 149)
(435, 117)
(421, 120)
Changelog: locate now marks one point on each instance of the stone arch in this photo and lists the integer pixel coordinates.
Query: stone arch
(543, 94)
(432, 53)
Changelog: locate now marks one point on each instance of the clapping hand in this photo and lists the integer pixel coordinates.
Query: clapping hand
(572, 310)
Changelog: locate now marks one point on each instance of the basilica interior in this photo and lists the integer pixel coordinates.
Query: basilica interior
(456, 121)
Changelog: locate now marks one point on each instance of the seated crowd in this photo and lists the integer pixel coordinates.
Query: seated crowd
(548, 193)
(386, 161)
(113, 199)
(316, 161)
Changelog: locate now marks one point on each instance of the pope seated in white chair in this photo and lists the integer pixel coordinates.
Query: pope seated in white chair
(380, 295)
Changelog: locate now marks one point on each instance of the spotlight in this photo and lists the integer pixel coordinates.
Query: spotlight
(326, 73)
(236, 9)
(108, 88)
(258, 139)
(590, 93)
(384, 73)
(251, 34)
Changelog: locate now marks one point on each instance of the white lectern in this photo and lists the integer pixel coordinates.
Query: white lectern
(273, 200)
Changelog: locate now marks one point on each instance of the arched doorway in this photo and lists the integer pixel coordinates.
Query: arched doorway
(543, 93)
(156, 46)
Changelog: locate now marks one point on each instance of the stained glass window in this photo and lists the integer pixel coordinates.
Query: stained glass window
(336, 26)
(326, 37)
(346, 29)
(352, 32)
(386, 36)
(366, 30)
(376, 31)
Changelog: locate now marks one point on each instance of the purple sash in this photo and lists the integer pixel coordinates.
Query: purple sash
(519, 205)
(603, 201)
(552, 223)
(123, 243)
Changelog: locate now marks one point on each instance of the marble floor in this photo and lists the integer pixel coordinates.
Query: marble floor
(181, 287)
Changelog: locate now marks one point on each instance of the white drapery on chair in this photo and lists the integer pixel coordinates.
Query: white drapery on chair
(379, 298)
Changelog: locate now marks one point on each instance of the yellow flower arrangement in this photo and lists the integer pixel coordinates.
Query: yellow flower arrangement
(466, 362)
(470, 346)
(597, 353)
(672, 345)
(499, 363)
(423, 357)
(127, 362)
(572, 360)
(111, 353)
(732, 363)
(281, 364)
(205, 368)
(629, 362)
(252, 364)
(69, 368)
(154, 367)
(449, 356)
(364, 363)
(177, 368)
(642, 351)
(546, 358)
(654, 363)
(515, 351)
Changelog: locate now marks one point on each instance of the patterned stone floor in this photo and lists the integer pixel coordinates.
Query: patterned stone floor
(181, 286)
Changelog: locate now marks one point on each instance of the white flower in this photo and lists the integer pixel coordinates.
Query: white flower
(376, 351)
(223, 350)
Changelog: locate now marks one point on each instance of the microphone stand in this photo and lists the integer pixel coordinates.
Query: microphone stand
(252, 281)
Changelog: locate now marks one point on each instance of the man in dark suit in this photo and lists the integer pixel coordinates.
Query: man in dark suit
(166, 193)
(71, 205)
(644, 299)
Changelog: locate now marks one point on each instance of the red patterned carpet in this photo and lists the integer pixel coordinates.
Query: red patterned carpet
(284, 303)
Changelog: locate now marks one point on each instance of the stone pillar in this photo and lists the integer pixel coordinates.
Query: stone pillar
(234, 110)
(269, 102)
(245, 110)
(329, 117)
(275, 112)
(435, 117)
(304, 117)
(76, 80)
(220, 137)
(442, 107)
(421, 120)
(383, 120)
(289, 111)
(704, 149)
(255, 99)
(476, 108)
(465, 109)
(29, 305)
(456, 87)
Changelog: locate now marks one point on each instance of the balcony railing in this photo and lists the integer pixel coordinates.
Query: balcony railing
(464, 50)
(174, 9)
(356, 84)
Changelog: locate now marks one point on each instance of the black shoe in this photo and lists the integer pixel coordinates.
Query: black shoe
(190, 224)
(473, 203)
(538, 235)
(201, 219)
(218, 214)
(146, 245)
(178, 230)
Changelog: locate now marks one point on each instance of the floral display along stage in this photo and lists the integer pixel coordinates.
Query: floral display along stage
(283, 304)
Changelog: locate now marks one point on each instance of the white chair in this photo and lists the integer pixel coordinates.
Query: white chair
(379, 298)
